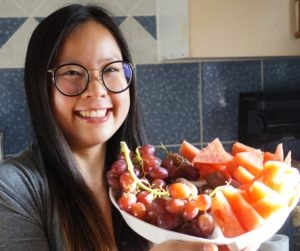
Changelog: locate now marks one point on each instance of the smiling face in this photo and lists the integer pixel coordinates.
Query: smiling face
(91, 118)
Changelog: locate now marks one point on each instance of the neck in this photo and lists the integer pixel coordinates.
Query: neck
(91, 164)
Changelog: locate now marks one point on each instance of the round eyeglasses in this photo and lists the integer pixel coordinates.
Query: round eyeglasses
(72, 79)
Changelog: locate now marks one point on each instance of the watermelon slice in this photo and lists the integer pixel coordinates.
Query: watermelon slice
(213, 153)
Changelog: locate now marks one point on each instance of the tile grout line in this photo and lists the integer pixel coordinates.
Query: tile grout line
(262, 74)
(200, 104)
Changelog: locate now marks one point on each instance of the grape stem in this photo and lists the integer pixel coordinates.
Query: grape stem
(156, 192)
(139, 159)
(164, 148)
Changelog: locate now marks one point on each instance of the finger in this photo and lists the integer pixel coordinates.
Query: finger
(194, 246)
(183, 245)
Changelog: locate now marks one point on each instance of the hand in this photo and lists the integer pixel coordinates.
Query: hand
(194, 246)
(183, 245)
(252, 247)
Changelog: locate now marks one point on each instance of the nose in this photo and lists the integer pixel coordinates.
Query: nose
(95, 87)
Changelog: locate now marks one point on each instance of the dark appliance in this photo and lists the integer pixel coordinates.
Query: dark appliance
(266, 119)
(268, 116)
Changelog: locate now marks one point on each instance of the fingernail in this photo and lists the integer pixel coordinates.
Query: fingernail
(210, 247)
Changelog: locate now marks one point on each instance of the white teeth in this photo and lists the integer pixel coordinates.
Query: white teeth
(93, 114)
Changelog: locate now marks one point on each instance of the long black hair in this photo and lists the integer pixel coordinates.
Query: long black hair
(83, 225)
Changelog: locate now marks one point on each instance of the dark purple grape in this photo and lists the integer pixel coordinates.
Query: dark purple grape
(206, 224)
(159, 173)
(167, 162)
(190, 228)
(216, 179)
(113, 180)
(174, 173)
(189, 172)
(120, 156)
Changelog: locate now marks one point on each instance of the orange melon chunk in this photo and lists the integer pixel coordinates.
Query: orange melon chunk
(188, 150)
(239, 147)
(272, 171)
(242, 175)
(244, 212)
(258, 190)
(224, 216)
(267, 206)
(252, 161)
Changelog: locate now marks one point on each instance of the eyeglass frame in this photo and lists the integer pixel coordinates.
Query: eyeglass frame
(52, 71)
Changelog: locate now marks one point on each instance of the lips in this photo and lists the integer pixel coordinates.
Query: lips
(93, 113)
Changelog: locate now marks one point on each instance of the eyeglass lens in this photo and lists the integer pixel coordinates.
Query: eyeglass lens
(72, 80)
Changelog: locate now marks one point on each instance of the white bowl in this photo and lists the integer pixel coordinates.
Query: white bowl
(259, 235)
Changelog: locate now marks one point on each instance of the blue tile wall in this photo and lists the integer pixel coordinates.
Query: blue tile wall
(14, 118)
(221, 84)
(169, 97)
(282, 74)
(149, 23)
(8, 27)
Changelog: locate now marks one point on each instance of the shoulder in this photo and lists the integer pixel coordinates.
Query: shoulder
(23, 181)
(27, 166)
(24, 203)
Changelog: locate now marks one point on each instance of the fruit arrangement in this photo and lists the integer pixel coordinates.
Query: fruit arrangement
(194, 190)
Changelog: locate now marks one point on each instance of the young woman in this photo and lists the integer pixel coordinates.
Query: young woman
(81, 94)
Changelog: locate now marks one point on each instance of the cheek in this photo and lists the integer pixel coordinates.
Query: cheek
(123, 104)
(61, 108)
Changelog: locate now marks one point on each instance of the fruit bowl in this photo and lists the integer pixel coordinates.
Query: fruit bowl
(259, 235)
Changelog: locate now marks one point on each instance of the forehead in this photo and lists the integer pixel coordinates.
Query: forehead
(87, 42)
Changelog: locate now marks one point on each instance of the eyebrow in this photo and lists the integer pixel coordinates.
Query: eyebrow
(102, 62)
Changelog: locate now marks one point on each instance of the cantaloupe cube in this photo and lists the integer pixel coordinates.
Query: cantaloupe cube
(267, 206)
(258, 190)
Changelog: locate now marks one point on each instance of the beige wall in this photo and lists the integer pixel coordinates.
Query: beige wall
(142, 44)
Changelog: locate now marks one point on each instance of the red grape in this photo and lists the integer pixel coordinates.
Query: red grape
(175, 206)
(138, 210)
(159, 205)
(146, 198)
(127, 182)
(190, 210)
(158, 183)
(119, 167)
(150, 161)
(126, 201)
(167, 220)
(203, 202)
(179, 191)
(147, 150)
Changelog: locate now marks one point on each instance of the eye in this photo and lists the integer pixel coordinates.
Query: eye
(72, 73)
(110, 69)
(113, 68)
